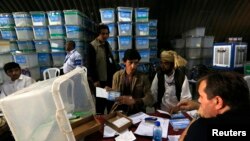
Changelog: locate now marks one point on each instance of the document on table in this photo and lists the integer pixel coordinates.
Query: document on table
(126, 136)
(173, 137)
(138, 117)
(102, 93)
(146, 128)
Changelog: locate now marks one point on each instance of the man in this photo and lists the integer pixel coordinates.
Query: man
(134, 86)
(170, 84)
(17, 82)
(72, 59)
(224, 109)
(101, 66)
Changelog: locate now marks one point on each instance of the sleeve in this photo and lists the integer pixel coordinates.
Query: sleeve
(29, 81)
(154, 88)
(185, 93)
(115, 82)
(147, 99)
(91, 63)
(78, 60)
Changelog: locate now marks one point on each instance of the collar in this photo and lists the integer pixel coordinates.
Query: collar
(72, 51)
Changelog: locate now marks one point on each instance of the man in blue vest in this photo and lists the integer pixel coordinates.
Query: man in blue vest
(170, 84)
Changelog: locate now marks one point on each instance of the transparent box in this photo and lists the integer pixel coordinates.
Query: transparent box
(142, 14)
(57, 45)
(142, 28)
(125, 14)
(57, 31)
(73, 17)
(112, 29)
(42, 46)
(41, 32)
(124, 42)
(26, 45)
(6, 20)
(22, 19)
(125, 28)
(39, 18)
(26, 60)
(44, 59)
(24, 33)
(107, 15)
(113, 42)
(8, 33)
(58, 58)
(142, 42)
(74, 31)
(55, 17)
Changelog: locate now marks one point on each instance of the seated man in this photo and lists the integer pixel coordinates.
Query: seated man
(134, 86)
(224, 108)
(170, 84)
(17, 82)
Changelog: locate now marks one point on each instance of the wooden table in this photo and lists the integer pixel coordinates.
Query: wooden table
(98, 136)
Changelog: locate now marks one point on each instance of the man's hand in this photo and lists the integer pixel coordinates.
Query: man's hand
(97, 84)
(127, 100)
(188, 105)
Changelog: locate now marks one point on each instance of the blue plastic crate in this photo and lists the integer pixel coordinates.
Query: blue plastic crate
(6, 19)
(145, 55)
(112, 29)
(141, 42)
(113, 42)
(41, 32)
(44, 59)
(125, 28)
(39, 18)
(142, 28)
(58, 58)
(8, 33)
(141, 14)
(107, 15)
(42, 46)
(125, 42)
(125, 14)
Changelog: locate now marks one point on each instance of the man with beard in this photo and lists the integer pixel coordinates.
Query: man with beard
(170, 84)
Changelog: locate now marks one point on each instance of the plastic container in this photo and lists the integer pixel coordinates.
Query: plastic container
(145, 55)
(26, 45)
(26, 60)
(5, 58)
(22, 19)
(153, 43)
(207, 52)
(57, 31)
(44, 59)
(55, 17)
(113, 42)
(112, 29)
(193, 41)
(157, 132)
(153, 23)
(193, 52)
(73, 17)
(8, 33)
(57, 98)
(153, 53)
(142, 42)
(39, 18)
(42, 46)
(13, 46)
(58, 58)
(125, 28)
(6, 20)
(121, 55)
(125, 14)
(196, 32)
(142, 28)
(124, 42)
(207, 41)
(141, 14)
(178, 43)
(24, 33)
(152, 32)
(5, 46)
(41, 32)
(57, 45)
(74, 31)
(107, 15)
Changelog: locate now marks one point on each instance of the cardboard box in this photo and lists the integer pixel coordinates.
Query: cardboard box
(85, 126)
(113, 118)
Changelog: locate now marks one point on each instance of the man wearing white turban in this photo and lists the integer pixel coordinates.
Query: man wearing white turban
(170, 84)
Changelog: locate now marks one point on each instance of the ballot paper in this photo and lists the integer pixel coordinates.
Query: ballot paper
(138, 117)
(109, 95)
(126, 136)
(173, 137)
(146, 128)
(179, 123)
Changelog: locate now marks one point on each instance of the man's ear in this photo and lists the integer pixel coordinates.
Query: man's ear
(219, 103)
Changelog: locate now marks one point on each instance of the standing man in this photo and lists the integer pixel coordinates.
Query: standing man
(18, 81)
(133, 85)
(72, 59)
(170, 84)
(224, 109)
(101, 66)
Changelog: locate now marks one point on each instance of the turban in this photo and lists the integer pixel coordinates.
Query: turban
(172, 56)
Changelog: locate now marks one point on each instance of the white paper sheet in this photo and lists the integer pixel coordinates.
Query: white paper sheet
(102, 93)
(126, 136)
(146, 129)
(173, 137)
(138, 117)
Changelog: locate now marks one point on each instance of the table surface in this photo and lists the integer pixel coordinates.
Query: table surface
(98, 136)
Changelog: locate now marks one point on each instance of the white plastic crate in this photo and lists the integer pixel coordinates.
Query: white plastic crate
(142, 14)
(55, 17)
(193, 42)
(107, 15)
(125, 28)
(124, 42)
(22, 19)
(74, 31)
(145, 55)
(57, 98)
(24, 33)
(8, 33)
(44, 59)
(6, 20)
(73, 17)
(39, 18)
(57, 31)
(58, 58)
(5, 58)
(27, 60)
(57, 45)
(142, 28)
(26, 45)
(125, 14)
(141, 42)
(42, 46)
(113, 42)
(112, 29)
(41, 32)
(207, 41)
(193, 52)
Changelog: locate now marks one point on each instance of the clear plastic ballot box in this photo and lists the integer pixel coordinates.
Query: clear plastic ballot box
(41, 111)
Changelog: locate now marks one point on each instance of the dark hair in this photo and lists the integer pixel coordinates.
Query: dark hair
(102, 26)
(131, 54)
(230, 86)
(72, 43)
(10, 65)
